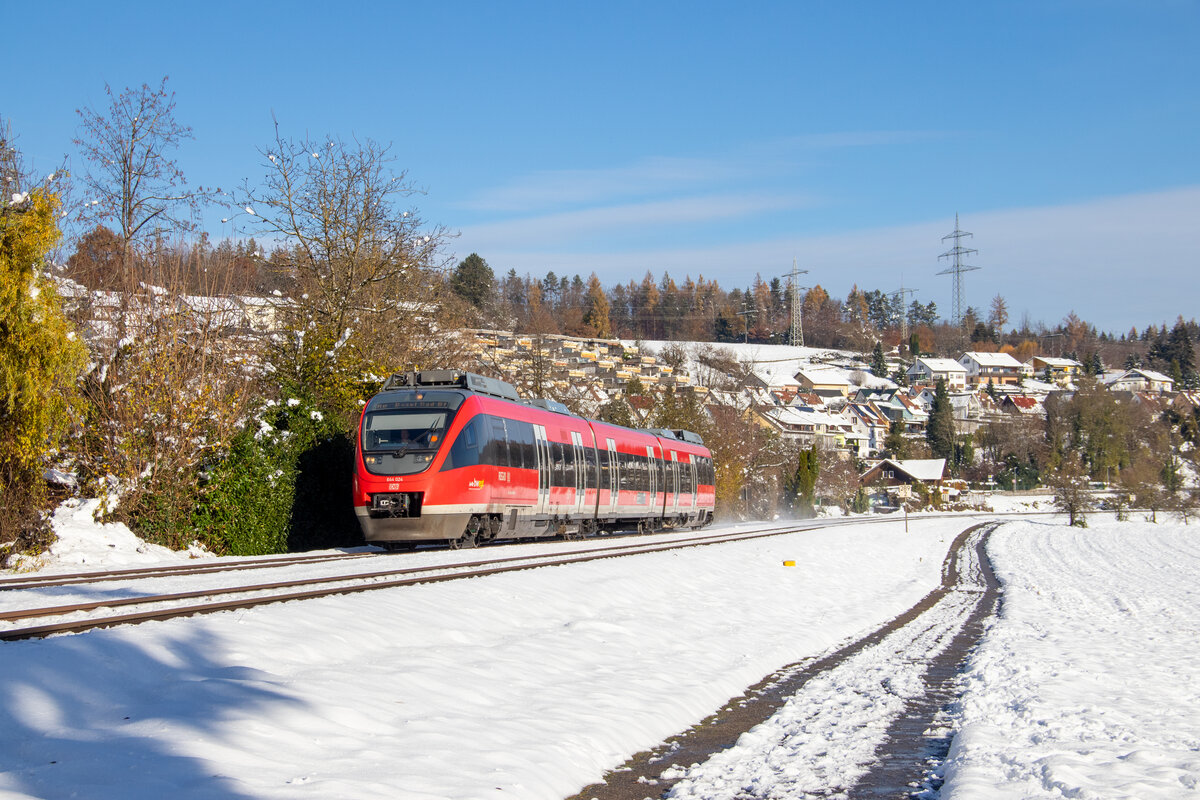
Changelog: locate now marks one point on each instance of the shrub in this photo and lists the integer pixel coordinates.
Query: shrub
(284, 485)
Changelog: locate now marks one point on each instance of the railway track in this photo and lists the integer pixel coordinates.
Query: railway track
(144, 605)
(141, 606)
(197, 568)
(812, 743)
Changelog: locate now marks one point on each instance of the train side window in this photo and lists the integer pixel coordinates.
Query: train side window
(495, 452)
(557, 458)
(589, 460)
(465, 450)
(569, 465)
(605, 470)
(521, 448)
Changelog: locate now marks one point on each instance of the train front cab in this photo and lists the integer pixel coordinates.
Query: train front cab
(403, 442)
(500, 470)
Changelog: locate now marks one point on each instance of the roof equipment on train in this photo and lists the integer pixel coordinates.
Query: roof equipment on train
(453, 377)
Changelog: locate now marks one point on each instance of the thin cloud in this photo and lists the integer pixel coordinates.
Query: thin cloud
(573, 187)
(553, 229)
(657, 175)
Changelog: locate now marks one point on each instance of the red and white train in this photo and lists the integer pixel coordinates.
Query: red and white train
(451, 456)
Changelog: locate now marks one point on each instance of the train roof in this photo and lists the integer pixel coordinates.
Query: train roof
(493, 387)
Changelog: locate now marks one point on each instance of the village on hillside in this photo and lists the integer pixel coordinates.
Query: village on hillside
(810, 397)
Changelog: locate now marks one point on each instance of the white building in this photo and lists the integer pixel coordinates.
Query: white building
(996, 368)
(931, 370)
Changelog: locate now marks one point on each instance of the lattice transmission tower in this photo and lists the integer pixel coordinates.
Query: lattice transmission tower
(797, 306)
(902, 295)
(957, 252)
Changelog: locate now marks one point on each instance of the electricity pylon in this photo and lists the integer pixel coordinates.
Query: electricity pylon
(797, 315)
(957, 252)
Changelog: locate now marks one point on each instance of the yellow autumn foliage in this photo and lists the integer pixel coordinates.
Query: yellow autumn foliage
(40, 356)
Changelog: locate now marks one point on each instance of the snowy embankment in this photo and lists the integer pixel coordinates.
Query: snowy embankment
(523, 685)
(1088, 685)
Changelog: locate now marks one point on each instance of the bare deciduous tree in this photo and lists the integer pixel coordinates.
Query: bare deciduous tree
(368, 274)
(132, 181)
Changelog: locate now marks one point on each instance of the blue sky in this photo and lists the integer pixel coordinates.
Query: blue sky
(703, 138)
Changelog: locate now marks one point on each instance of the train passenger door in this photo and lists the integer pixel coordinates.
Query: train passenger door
(693, 486)
(673, 480)
(654, 465)
(543, 467)
(580, 470)
(614, 476)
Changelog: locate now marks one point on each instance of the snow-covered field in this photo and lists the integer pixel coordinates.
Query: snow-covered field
(523, 685)
(533, 684)
(1089, 684)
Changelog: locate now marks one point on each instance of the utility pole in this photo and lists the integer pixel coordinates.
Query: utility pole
(957, 252)
(746, 314)
(797, 306)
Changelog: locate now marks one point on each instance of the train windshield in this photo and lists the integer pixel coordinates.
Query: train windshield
(401, 441)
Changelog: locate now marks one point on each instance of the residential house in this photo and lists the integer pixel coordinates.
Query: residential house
(897, 478)
(1061, 370)
(826, 383)
(870, 421)
(1022, 405)
(808, 428)
(1138, 380)
(999, 369)
(931, 370)
(916, 415)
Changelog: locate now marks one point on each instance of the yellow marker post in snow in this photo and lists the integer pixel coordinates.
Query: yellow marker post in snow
(789, 563)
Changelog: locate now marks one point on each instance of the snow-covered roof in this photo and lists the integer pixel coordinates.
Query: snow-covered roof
(1148, 374)
(790, 415)
(831, 377)
(941, 364)
(777, 375)
(923, 469)
(1053, 361)
(992, 359)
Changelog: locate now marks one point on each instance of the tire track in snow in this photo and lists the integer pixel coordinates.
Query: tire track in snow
(814, 729)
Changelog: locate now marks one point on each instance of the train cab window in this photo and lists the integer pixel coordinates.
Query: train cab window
(402, 441)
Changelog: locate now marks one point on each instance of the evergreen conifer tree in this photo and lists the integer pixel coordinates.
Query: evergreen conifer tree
(878, 364)
(939, 431)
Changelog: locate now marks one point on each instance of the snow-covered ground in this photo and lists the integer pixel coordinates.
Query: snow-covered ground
(533, 684)
(528, 685)
(1088, 686)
